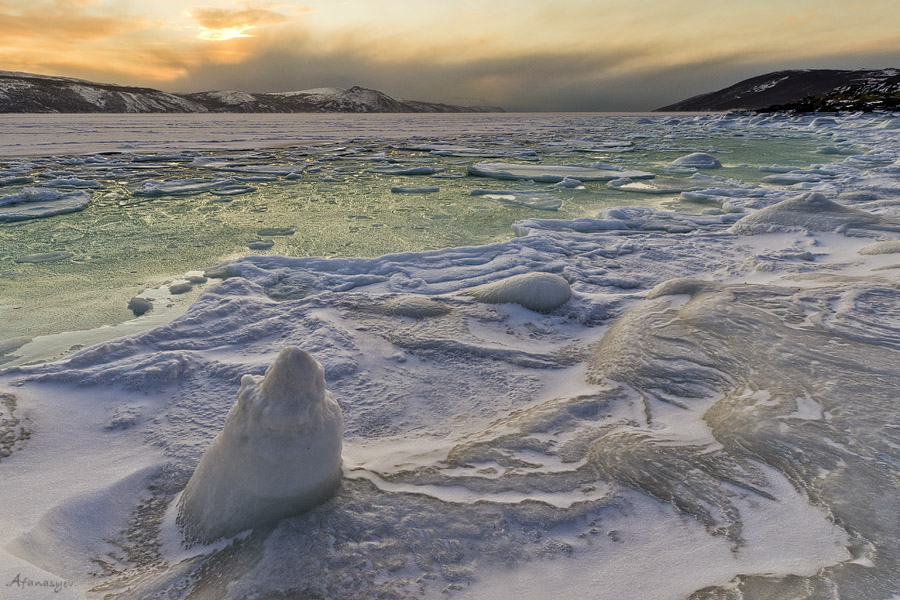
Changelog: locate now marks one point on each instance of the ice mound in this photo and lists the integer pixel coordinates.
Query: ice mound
(417, 307)
(810, 212)
(886, 247)
(697, 160)
(540, 292)
(278, 454)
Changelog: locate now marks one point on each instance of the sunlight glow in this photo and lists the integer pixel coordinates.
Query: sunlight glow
(225, 33)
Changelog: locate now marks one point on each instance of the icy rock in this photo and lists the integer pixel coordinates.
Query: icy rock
(278, 454)
(139, 306)
(180, 288)
(540, 292)
(697, 160)
(810, 212)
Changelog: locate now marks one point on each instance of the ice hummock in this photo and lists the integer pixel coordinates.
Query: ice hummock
(278, 454)
(698, 160)
(540, 292)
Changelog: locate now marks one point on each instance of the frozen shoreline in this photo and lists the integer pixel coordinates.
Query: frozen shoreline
(713, 408)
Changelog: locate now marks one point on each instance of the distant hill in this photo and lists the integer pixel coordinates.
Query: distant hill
(869, 96)
(782, 88)
(30, 93)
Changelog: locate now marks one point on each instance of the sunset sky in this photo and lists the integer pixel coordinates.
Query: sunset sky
(519, 54)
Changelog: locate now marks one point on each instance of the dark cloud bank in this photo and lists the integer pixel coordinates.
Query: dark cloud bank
(538, 82)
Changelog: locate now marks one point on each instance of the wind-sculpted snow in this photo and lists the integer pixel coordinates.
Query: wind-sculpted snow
(278, 454)
(541, 415)
(814, 212)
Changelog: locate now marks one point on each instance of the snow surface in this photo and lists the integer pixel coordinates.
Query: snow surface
(705, 406)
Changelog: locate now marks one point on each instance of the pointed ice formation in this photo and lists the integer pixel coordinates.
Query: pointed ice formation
(278, 454)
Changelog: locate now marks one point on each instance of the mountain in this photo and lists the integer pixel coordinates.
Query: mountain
(780, 88)
(29, 93)
(869, 96)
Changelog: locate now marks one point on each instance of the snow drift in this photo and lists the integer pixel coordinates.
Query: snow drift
(278, 454)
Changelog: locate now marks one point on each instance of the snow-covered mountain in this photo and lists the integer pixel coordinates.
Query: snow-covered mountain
(781, 88)
(29, 93)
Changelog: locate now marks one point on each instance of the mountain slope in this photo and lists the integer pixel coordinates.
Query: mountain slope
(779, 88)
(29, 93)
(872, 95)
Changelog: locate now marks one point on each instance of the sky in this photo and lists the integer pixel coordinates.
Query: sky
(522, 55)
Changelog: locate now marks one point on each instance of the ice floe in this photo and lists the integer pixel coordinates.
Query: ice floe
(553, 173)
(36, 203)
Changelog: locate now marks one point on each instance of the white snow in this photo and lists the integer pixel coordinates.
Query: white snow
(278, 454)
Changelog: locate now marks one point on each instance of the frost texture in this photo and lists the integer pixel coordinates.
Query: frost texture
(278, 454)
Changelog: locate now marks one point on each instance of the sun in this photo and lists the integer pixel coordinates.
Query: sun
(224, 33)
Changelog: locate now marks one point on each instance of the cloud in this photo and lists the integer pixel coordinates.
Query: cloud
(217, 24)
(623, 79)
(219, 18)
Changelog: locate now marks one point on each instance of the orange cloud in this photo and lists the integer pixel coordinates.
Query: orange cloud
(218, 24)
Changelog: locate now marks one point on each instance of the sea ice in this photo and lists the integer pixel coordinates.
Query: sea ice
(539, 200)
(44, 257)
(540, 292)
(402, 170)
(278, 454)
(35, 203)
(186, 187)
(812, 212)
(670, 185)
(697, 160)
(553, 173)
(398, 189)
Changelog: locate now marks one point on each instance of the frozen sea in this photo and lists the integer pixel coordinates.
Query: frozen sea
(710, 414)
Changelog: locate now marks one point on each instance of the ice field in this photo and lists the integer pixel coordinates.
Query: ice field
(596, 356)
